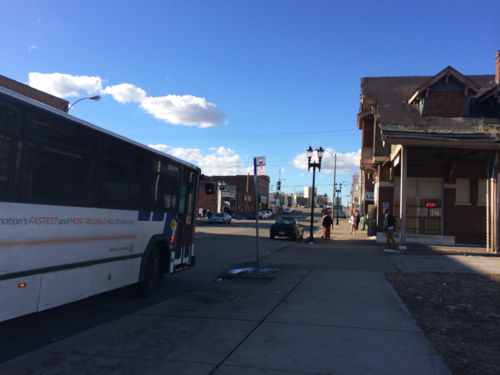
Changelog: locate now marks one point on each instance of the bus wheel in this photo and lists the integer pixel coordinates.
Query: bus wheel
(151, 273)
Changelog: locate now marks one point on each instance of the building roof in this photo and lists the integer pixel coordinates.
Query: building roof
(400, 122)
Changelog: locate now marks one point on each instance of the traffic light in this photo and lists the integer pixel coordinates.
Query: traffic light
(209, 188)
(278, 186)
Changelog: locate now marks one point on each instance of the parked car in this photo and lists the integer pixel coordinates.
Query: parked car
(286, 227)
(220, 218)
(251, 215)
(264, 214)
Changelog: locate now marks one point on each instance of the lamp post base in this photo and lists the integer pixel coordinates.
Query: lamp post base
(311, 240)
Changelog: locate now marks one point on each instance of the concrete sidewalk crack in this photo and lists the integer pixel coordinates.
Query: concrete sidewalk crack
(259, 323)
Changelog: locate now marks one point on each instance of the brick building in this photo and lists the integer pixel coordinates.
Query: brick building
(432, 143)
(235, 193)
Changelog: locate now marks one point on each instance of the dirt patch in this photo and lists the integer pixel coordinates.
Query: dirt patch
(459, 314)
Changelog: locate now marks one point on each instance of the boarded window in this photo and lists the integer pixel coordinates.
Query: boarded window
(462, 191)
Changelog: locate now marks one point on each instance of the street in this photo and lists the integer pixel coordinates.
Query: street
(218, 247)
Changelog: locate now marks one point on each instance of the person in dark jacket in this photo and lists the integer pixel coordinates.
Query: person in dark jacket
(389, 228)
(326, 223)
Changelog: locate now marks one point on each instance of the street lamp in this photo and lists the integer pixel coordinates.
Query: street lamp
(313, 165)
(94, 98)
(339, 190)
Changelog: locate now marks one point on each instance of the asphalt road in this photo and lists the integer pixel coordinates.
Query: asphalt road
(218, 247)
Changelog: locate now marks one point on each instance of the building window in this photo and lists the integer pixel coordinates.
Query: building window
(462, 192)
(481, 192)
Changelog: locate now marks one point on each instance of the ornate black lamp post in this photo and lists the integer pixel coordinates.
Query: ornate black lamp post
(339, 190)
(313, 165)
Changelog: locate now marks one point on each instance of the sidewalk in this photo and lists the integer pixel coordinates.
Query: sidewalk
(325, 308)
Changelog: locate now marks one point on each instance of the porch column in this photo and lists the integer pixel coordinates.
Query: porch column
(402, 197)
(495, 199)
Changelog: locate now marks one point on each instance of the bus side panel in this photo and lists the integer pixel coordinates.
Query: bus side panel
(58, 288)
(35, 237)
(108, 276)
(19, 296)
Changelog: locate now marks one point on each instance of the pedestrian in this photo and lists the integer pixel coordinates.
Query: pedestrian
(357, 218)
(327, 225)
(352, 222)
(362, 221)
(389, 228)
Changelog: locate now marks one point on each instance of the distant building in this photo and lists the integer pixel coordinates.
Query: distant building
(308, 191)
(235, 194)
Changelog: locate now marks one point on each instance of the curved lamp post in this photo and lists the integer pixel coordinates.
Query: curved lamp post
(313, 165)
(94, 98)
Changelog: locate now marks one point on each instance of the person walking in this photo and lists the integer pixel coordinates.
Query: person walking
(389, 228)
(362, 221)
(352, 221)
(327, 224)
(357, 219)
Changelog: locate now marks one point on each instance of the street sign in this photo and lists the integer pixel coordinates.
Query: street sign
(259, 165)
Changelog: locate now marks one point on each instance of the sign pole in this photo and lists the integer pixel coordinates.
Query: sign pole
(259, 168)
(256, 206)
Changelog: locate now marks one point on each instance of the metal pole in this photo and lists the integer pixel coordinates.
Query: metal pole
(311, 237)
(256, 188)
(334, 188)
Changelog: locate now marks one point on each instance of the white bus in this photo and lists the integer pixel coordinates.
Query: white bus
(83, 210)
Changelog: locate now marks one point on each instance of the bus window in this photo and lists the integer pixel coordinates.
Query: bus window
(55, 131)
(57, 166)
(124, 177)
(186, 204)
(8, 122)
(56, 175)
(166, 186)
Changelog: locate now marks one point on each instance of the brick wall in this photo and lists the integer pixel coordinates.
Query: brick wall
(245, 192)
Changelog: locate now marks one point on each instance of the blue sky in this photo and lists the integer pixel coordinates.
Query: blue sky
(219, 82)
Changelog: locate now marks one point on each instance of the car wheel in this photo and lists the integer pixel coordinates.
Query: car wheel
(272, 236)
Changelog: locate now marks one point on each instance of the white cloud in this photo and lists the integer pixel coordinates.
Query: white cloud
(125, 93)
(65, 85)
(222, 161)
(33, 47)
(186, 110)
(347, 163)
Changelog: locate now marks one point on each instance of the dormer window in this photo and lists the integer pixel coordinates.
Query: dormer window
(445, 95)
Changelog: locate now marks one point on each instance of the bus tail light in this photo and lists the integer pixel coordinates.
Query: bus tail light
(21, 285)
